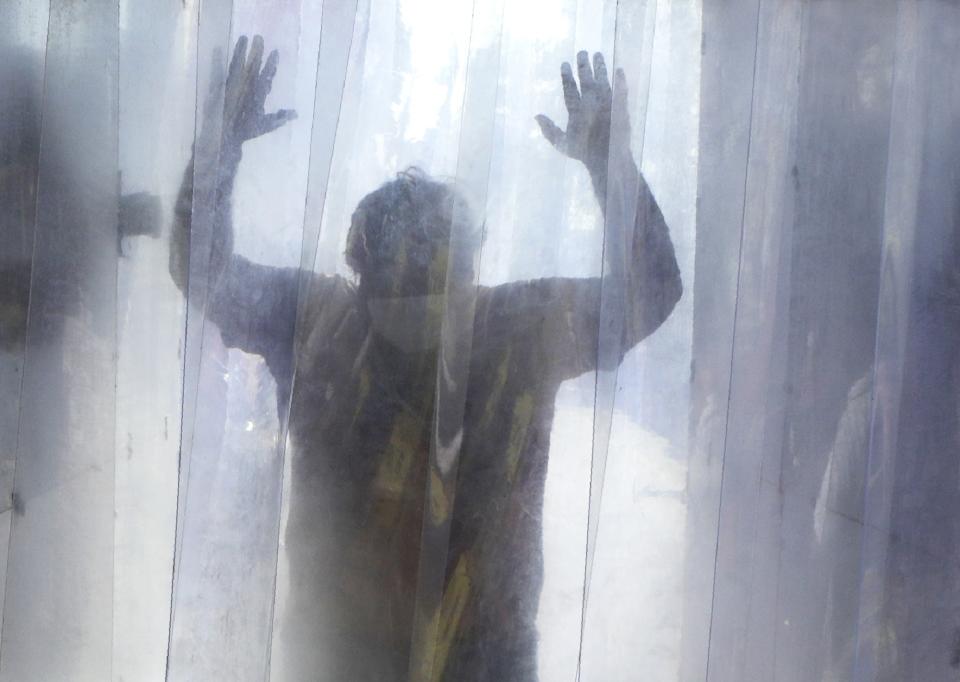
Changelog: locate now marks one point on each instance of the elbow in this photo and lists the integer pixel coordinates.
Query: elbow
(673, 292)
(667, 292)
(650, 311)
(178, 269)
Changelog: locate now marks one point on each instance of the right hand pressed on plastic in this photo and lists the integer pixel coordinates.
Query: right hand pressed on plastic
(245, 94)
(597, 115)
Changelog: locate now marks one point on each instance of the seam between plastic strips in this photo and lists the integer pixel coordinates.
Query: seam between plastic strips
(588, 557)
(181, 481)
(733, 338)
(440, 366)
(26, 332)
(596, 383)
(116, 369)
(303, 274)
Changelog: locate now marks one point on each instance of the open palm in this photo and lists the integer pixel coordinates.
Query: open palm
(593, 110)
(245, 91)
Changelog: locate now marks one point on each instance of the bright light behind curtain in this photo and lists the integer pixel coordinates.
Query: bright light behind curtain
(380, 384)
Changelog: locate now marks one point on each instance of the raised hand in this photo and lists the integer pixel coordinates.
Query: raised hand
(245, 94)
(596, 114)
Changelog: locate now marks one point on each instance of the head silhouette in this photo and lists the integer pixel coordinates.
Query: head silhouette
(399, 239)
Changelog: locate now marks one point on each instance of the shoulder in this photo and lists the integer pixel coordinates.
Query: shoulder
(328, 300)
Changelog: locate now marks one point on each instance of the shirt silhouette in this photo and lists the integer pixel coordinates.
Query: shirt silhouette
(364, 399)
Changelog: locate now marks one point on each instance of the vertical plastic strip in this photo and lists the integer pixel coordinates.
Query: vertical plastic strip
(873, 652)
(339, 572)
(330, 26)
(157, 108)
(633, 52)
(337, 24)
(908, 589)
(232, 510)
(756, 364)
(296, 648)
(831, 306)
(728, 57)
(23, 39)
(647, 453)
(196, 206)
(428, 648)
(58, 610)
(804, 332)
(213, 35)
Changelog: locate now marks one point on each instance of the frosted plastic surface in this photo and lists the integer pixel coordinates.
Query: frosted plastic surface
(457, 340)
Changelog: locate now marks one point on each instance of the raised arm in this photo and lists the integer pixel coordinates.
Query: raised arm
(250, 303)
(561, 316)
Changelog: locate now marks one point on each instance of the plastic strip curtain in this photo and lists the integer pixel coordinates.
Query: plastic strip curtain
(157, 85)
(823, 266)
(300, 487)
(20, 121)
(322, 360)
(231, 471)
(436, 618)
(907, 586)
(809, 159)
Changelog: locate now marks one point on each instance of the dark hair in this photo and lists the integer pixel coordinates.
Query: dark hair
(413, 211)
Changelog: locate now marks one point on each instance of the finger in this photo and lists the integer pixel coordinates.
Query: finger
(600, 73)
(620, 110)
(551, 131)
(270, 68)
(254, 61)
(265, 82)
(236, 63)
(270, 122)
(620, 90)
(216, 72)
(584, 72)
(215, 84)
(620, 81)
(571, 96)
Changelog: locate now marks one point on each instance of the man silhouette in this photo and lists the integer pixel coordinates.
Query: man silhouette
(364, 399)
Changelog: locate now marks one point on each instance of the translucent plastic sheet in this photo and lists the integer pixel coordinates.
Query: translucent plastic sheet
(361, 340)
(647, 457)
(231, 482)
(803, 340)
(58, 608)
(470, 563)
(342, 568)
(908, 584)
(156, 130)
(25, 35)
(729, 50)
(442, 595)
(831, 165)
(21, 78)
(622, 219)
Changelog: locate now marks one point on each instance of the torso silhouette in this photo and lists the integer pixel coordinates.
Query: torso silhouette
(361, 419)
